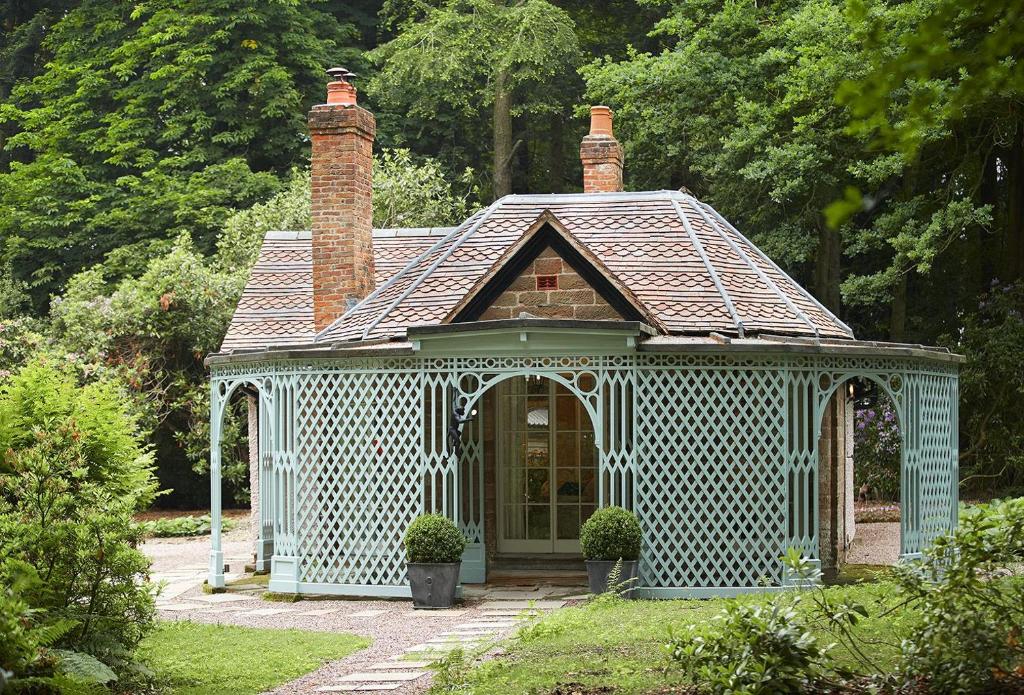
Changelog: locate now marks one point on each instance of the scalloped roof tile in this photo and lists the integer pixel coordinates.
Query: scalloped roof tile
(688, 266)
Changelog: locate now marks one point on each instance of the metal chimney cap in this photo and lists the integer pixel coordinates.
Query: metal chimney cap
(340, 74)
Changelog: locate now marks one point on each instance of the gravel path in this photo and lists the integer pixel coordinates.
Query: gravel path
(875, 544)
(397, 632)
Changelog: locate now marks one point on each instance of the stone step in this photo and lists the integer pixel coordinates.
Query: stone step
(358, 688)
(491, 605)
(381, 677)
(397, 665)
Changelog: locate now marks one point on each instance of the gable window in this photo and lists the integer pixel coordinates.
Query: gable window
(547, 282)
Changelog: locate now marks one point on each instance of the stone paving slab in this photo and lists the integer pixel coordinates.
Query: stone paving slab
(366, 614)
(353, 688)
(176, 589)
(319, 612)
(398, 665)
(266, 611)
(487, 625)
(517, 595)
(514, 605)
(423, 648)
(439, 614)
(381, 676)
(455, 639)
(518, 615)
(173, 607)
(222, 598)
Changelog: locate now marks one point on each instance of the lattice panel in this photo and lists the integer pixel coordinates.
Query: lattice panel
(802, 462)
(930, 469)
(471, 480)
(359, 440)
(616, 450)
(711, 476)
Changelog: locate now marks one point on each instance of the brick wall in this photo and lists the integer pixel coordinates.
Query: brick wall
(573, 299)
(602, 164)
(342, 207)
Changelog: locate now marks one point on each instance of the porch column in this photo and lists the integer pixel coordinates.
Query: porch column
(216, 575)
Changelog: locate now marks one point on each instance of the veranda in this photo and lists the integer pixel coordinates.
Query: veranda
(720, 447)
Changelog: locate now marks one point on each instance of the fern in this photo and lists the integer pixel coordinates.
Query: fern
(49, 635)
(83, 667)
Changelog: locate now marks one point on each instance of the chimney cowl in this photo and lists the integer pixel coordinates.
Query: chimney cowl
(340, 90)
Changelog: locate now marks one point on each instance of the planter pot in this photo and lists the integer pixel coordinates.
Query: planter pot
(598, 571)
(433, 585)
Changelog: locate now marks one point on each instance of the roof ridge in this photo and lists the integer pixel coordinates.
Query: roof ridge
(710, 267)
(394, 278)
(800, 288)
(760, 273)
(433, 266)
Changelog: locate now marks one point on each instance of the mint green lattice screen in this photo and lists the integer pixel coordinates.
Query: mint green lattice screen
(711, 475)
(930, 479)
(360, 445)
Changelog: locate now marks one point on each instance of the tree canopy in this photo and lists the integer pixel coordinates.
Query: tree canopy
(874, 149)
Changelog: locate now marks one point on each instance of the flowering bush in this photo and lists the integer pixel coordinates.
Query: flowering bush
(876, 450)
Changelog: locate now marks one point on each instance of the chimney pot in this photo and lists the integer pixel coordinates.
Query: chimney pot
(601, 121)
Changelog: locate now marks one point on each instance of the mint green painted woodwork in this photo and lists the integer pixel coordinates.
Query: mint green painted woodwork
(717, 454)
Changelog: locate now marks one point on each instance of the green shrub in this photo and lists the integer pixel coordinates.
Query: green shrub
(182, 526)
(611, 533)
(757, 649)
(74, 474)
(434, 538)
(971, 603)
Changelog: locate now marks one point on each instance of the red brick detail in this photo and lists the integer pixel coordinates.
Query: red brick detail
(342, 188)
(573, 299)
(602, 159)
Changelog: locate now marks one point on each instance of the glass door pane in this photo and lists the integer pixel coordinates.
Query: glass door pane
(525, 457)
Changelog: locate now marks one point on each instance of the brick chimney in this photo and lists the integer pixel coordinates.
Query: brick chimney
(601, 154)
(342, 181)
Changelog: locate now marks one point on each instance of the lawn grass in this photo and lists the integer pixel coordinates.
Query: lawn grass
(620, 644)
(198, 659)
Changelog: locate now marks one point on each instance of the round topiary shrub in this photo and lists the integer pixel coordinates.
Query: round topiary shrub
(611, 533)
(434, 538)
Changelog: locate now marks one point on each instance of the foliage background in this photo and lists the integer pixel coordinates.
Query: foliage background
(875, 149)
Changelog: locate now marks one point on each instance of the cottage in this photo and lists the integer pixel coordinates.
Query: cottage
(609, 347)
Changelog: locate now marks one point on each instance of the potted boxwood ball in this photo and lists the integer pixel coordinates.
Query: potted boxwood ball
(611, 535)
(433, 547)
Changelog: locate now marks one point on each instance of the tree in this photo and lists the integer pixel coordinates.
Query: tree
(468, 58)
(741, 110)
(153, 119)
(152, 330)
(948, 74)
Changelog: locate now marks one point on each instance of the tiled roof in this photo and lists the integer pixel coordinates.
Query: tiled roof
(276, 307)
(688, 266)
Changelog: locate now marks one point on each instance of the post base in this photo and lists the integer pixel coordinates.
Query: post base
(216, 574)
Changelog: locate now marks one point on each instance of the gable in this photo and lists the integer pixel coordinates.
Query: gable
(550, 288)
(548, 246)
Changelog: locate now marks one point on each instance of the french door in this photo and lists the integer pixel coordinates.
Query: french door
(547, 457)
